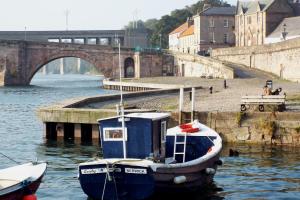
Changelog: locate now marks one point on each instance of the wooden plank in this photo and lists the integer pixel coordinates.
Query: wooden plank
(260, 103)
(264, 97)
(263, 100)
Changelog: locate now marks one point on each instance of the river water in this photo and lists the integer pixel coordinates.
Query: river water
(260, 172)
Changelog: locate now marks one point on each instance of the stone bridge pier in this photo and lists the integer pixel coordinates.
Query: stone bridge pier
(20, 60)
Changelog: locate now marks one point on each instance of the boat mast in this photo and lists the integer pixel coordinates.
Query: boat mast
(122, 106)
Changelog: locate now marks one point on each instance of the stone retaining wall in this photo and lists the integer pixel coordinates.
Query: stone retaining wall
(282, 59)
(200, 66)
(280, 128)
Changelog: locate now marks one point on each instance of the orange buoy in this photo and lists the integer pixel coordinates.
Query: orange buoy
(185, 126)
(190, 130)
(30, 197)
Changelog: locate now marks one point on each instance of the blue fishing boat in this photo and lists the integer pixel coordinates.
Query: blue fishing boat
(141, 157)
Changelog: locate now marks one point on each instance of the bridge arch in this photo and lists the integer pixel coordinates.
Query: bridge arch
(22, 59)
(129, 68)
(101, 63)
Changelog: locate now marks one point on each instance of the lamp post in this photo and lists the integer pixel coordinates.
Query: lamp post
(25, 33)
(160, 40)
(67, 12)
(284, 32)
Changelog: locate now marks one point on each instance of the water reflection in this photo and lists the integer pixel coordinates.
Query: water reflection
(260, 172)
(63, 158)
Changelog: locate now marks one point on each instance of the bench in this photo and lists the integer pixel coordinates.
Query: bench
(262, 101)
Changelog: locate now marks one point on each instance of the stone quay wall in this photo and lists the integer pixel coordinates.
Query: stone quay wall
(281, 59)
(276, 128)
(199, 66)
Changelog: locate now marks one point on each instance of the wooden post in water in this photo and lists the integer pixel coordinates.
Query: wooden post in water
(193, 104)
(181, 92)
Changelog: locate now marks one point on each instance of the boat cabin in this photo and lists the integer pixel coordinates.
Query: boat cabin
(145, 135)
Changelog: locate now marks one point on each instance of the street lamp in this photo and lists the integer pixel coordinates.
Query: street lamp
(25, 33)
(284, 32)
(160, 40)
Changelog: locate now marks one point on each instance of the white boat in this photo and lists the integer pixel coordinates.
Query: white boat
(21, 180)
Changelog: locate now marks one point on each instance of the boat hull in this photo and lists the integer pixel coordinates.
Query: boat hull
(22, 190)
(195, 177)
(136, 182)
(26, 187)
(101, 181)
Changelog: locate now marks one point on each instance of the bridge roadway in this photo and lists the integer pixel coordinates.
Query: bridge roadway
(127, 38)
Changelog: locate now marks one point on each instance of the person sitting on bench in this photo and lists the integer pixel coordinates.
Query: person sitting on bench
(266, 91)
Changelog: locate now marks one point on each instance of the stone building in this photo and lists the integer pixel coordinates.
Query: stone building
(187, 41)
(255, 20)
(174, 35)
(214, 28)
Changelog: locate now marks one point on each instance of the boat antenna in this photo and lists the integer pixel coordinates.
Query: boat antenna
(120, 69)
(121, 105)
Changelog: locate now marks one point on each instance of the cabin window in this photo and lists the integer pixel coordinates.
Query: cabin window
(114, 134)
(163, 131)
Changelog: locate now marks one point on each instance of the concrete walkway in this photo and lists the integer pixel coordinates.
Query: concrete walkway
(249, 82)
(241, 71)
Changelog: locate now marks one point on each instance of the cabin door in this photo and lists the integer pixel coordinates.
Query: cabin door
(156, 138)
(159, 137)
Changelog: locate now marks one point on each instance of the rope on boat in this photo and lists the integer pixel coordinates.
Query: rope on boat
(109, 179)
(9, 158)
(104, 186)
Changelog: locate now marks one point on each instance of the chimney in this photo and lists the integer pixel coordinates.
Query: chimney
(206, 6)
(190, 21)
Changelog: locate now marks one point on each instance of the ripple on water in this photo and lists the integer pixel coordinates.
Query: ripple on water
(261, 172)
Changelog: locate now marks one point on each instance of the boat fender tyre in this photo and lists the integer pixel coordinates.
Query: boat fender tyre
(179, 179)
(219, 162)
(210, 171)
(243, 107)
(261, 108)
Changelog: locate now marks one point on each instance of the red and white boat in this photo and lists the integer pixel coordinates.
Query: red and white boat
(20, 181)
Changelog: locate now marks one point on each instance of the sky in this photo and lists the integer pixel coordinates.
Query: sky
(82, 15)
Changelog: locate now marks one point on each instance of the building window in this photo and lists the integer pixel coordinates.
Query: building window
(114, 134)
(211, 22)
(241, 19)
(226, 23)
(249, 19)
(53, 40)
(212, 37)
(163, 131)
(66, 40)
(225, 38)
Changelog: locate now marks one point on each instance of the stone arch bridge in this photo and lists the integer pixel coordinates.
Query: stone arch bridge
(20, 60)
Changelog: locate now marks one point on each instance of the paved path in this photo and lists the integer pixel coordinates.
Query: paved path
(249, 82)
(244, 72)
